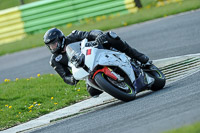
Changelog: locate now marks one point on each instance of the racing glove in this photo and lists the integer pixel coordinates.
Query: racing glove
(101, 39)
(70, 80)
(91, 44)
(78, 60)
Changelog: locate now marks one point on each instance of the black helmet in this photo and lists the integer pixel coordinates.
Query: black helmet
(54, 40)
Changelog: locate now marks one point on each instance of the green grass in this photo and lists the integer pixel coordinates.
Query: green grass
(194, 128)
(144, 14)
(148, 2)
(26, 99)
(4, 4)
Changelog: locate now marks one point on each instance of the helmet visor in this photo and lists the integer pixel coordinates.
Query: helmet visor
(53, 46)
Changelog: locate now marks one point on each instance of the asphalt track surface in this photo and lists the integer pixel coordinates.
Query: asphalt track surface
(176, 105)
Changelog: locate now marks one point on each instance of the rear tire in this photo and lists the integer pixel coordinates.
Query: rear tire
(108, 87)
(159, 77)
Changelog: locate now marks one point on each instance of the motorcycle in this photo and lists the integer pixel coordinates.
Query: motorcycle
(112, 71)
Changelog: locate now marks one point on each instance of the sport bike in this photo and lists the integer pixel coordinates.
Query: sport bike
(112, 71)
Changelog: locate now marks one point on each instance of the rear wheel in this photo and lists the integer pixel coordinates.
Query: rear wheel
(119, 90)
(159, 77)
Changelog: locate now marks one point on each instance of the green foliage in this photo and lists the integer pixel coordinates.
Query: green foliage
(25, 99)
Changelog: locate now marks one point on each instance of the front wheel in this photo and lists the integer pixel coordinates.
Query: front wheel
(114, 88)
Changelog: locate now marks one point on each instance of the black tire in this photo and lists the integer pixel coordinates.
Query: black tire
(159, 77)
(108, 87)
(92, 91)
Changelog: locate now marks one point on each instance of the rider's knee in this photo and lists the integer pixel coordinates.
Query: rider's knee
(115, 41)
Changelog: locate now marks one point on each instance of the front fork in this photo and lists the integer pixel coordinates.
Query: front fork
(107, 71)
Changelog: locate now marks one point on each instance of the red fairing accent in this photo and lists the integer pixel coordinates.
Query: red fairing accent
(107, 72)
(89, 52)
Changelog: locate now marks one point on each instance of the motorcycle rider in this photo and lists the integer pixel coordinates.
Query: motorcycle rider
(56, 41)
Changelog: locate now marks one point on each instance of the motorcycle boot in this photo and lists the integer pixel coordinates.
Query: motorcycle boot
(116, 42)
(93, 92)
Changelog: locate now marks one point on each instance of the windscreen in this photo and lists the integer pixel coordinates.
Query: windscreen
(73, 49)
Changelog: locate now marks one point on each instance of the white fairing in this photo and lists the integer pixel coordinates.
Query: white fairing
(79, 73)
(105, 58)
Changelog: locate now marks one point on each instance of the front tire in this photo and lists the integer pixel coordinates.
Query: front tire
(111, 89)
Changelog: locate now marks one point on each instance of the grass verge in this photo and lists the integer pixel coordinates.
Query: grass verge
(26, 99)
(194, 128)
(105, 23)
